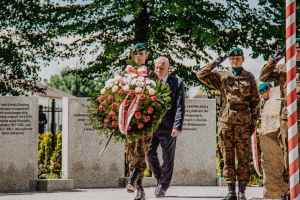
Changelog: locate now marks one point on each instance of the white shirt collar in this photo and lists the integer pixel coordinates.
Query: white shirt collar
(164, 81)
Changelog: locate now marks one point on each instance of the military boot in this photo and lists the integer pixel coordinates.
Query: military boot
(241, 194)
(286, 196)
(140, 193)
(131, 183)
(231, 194)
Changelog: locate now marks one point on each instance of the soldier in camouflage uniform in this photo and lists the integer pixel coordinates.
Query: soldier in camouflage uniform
(264, 90)
(273, 72)
(238, 117)
(136, 150)
(136, 157)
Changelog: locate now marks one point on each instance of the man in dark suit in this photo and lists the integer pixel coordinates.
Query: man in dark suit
(42, 120)
(168, 130)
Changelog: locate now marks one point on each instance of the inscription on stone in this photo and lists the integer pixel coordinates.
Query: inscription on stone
(81, 148)
(198, 136)
(15, 118)
(19, 143)
(195, 116)
(81, 118)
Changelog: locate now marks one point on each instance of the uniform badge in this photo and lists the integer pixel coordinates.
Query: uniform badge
(137, 49)
(297, 44)
(235, 52)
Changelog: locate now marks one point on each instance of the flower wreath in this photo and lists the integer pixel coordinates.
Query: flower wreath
(129, 106)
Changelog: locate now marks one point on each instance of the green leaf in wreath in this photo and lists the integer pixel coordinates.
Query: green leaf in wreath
(164, 87)
(167, 98)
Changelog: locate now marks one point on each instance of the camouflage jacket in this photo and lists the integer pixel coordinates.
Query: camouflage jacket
(272, 72)
(235, 91)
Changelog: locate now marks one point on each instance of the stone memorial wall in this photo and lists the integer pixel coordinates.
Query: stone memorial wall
(195, 157)
(19, 143)
(81, 148)
(195, 161)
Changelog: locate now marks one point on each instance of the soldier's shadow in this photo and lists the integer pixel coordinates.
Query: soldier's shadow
(206, 197)
(195, 197)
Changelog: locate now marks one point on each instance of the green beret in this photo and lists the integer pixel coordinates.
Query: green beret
(139, 47)
(236, 52)
(263, 87)
(297, 42)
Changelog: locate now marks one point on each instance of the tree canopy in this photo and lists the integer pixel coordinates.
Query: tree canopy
(72, 84)
(176, 29)
(31, 34)
(268, 27)
(26, 43)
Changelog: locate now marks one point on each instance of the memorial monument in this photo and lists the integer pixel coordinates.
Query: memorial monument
(19, 144)
(195, 157)
(81, 147)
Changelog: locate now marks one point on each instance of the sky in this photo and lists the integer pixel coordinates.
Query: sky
(252, 65)
(252, 3)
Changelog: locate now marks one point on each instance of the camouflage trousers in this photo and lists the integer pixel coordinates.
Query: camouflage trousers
(283, 143)
(235, 141)
(137, 154)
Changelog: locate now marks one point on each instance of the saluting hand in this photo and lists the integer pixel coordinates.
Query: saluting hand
(175, 133)
(279, 54)
(221, 58)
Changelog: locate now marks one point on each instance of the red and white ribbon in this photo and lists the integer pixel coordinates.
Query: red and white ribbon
(141, 71)
(292, 98)
(125, 120)
(255, 153)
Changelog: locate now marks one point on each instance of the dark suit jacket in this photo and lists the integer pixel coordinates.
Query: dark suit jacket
(42, 117)
(174, 117)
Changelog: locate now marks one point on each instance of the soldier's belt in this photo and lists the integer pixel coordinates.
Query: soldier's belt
(237, 106)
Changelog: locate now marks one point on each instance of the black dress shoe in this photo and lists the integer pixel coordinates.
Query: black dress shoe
(159, 192)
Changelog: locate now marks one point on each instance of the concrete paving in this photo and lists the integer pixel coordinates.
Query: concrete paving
(174, 192)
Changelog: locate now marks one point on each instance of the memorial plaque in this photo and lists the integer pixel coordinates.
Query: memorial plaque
(195, 157)
(81, 148)
(19, 143)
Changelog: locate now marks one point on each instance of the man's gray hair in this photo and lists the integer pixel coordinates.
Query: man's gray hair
(165, 58)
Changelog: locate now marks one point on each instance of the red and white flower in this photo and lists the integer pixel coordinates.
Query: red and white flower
(101, 98)
(126, 88)
(138, 90)
(140, 125)
(115, 124)
(115, 88)
(110, 97)
(153, 98)
(151, 91)
(101, 108)
(103, 91)
(150, 110)
(118, 78)
(131, 93)
(138, 115)
(142, 97)
(147, 118)
(106, 121)
(112, 114)
(114, 105)
(121, 91)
